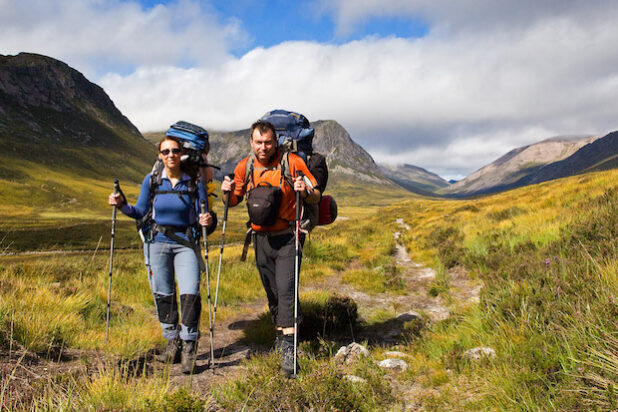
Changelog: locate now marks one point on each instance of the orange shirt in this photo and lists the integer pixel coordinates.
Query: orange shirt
(270, 174)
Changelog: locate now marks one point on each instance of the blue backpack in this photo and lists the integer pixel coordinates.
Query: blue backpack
(194, 139)
(294, 133)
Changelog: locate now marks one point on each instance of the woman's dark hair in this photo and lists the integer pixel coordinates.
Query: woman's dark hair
(191, 171)
(172, 138)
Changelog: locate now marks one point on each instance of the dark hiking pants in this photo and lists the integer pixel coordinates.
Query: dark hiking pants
(275, 258)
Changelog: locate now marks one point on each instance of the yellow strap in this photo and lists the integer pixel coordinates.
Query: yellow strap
(210, 190)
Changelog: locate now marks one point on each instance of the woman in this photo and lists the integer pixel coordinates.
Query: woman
(170, 247)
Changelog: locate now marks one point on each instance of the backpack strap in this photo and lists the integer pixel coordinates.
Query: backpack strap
(286, 173)
(248, 171)
(245, 247)
(155, 181)
(283, 166)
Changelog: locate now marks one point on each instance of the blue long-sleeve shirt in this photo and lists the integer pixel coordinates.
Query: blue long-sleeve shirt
(169, 209)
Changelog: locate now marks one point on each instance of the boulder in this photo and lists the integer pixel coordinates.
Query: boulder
(397, 365)
(351, 353)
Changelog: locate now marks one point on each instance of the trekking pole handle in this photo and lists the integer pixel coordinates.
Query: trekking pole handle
(227, 198)
(116, 191)
(231, 176)
(299, 173)
(203, 211)
(204, 232)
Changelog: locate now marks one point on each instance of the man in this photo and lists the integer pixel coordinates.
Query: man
(273, 238)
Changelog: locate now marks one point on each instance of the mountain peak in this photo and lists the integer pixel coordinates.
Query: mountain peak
(32, 84)
(51, 114)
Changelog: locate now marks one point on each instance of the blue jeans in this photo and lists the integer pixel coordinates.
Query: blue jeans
(162, 261)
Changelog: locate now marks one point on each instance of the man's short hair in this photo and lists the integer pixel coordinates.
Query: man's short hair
(263, 127)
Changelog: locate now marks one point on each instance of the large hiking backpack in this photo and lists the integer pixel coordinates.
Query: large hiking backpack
(295, 135)
(294, 132)
(194, 140)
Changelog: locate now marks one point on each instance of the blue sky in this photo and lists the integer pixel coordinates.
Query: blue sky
(445, 85)
(272, 22)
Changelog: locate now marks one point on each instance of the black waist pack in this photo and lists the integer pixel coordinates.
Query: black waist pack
(263, 202)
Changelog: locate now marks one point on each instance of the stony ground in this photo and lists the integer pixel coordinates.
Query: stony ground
(29, 373)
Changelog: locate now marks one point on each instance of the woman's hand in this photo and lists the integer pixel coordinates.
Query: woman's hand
(115, 199)
(205, 219)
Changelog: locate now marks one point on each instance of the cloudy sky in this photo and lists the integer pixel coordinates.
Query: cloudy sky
(442, 84)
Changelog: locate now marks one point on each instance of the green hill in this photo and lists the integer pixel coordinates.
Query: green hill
(66, 143)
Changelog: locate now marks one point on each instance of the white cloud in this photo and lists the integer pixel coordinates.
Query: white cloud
(399, 96)
(93, 35)
(447, 16)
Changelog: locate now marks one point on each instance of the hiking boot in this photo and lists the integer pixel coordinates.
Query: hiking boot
(287, 355)
(171, 354)
(188, 355)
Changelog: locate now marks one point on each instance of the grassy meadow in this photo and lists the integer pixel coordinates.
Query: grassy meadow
(546, 255)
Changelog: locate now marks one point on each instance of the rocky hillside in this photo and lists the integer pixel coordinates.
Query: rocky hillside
(513, 168)
(52, 115)
(601, 154)
(414, 178)
(346, 159)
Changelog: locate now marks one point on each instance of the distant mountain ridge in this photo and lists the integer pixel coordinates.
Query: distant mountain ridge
(600, 154)
(512, 169)
(414, 178)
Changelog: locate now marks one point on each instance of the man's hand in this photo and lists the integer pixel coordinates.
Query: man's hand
(300, 186)
(227, 185)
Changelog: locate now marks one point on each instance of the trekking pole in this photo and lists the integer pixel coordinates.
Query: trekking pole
(205, 236)
(225, 209)
(111, 262)
(296, 275)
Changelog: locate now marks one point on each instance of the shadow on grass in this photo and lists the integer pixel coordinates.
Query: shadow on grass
(400, 329)
(335, 320)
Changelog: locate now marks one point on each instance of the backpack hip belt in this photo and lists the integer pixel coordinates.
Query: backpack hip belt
(190, 242)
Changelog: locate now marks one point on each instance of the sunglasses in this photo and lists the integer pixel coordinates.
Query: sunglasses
(166, 152)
